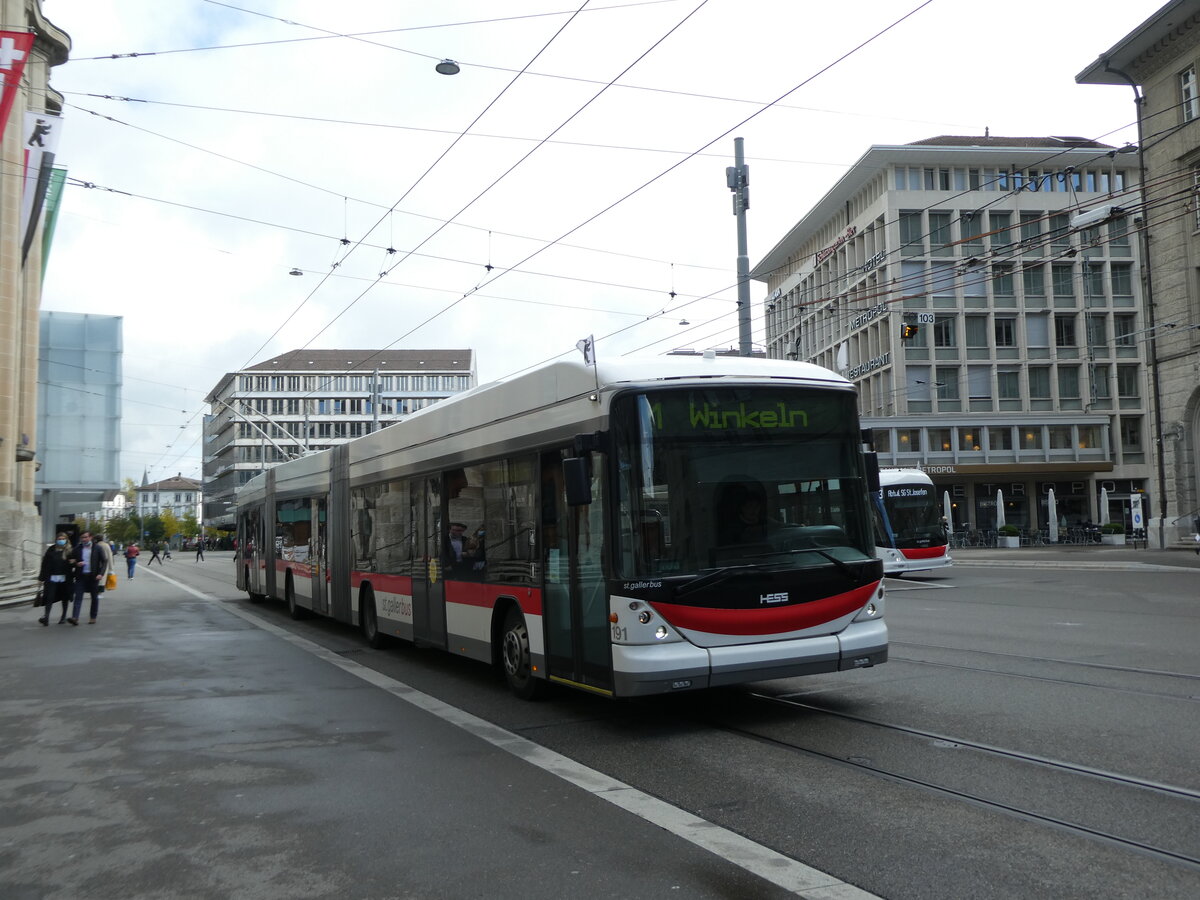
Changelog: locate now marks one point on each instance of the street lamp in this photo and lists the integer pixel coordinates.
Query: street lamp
(447, 67)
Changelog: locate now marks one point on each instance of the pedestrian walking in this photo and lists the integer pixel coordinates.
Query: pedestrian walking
(200, 551)
(154, 556)
(57, 577)
(92, 562)
(131, 555)
(166, 552)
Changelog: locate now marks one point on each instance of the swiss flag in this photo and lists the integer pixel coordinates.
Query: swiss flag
(14, 50)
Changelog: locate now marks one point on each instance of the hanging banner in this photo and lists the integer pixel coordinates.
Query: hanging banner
(41, 142)
(14, 50)
(53, 199)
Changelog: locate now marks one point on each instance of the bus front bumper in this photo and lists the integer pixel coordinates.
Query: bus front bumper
(640, 670)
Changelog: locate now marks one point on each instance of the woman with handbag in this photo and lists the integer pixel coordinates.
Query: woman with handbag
(56, 576)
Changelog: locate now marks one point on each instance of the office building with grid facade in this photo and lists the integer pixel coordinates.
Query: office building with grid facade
(995, 343)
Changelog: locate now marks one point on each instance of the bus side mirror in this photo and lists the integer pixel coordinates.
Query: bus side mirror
(577, 480)
(871, 461)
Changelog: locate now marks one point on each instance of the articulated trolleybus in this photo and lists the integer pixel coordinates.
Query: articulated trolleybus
(910, 535)
(628, 528)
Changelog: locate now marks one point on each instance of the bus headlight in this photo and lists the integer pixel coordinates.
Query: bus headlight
(660, 632)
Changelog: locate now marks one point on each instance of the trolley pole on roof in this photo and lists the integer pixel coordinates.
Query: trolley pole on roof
(737, 177)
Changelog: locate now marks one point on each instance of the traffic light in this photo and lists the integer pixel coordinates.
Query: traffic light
(908, 330)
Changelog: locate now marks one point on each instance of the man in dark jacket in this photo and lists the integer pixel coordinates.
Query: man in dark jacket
(92, 562)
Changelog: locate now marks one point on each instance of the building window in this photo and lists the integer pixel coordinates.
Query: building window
(1196, 193)
(1131, 433)
(1002, 280)
(1100, 390)
(1189, 100)
(1093, 285)
(999, 223)
(972, 238)
(999, 438)
(1060, 231)
(1097, 330)
(1124, 326)
(1064, 331)
(1118, 238)
(1063, 280)
(943, 331)
(1127, 382)
(1090, 437)
(1031, 229)
(1039, 382)
(979, 382)
(939, 232)
(1008, 385)
(912, 240)
(1006, 331)
(1031, 437)
(939, 440)
(908, 440)
(977, 332)
(293, 382)
(1033, 279)
(947, 383)
(1068, 382)
(1060, 437)
(1122, 280)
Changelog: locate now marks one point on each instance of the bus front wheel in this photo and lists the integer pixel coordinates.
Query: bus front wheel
(514, 650)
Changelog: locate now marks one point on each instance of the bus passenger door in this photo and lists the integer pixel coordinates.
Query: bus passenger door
(574, 594)
(316, 560)
(429, 590)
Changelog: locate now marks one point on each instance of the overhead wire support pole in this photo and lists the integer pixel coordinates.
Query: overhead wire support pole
(737, 177)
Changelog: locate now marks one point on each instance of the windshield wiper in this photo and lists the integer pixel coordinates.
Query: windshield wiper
(841, 564)
(716, 577)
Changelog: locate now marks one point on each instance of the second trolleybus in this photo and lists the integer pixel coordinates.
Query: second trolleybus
(910, 532)
(626, 528)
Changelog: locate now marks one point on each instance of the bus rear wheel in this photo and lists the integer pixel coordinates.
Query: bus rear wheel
(370, 621)
(254, 598)
(295, 610)
(518, 663)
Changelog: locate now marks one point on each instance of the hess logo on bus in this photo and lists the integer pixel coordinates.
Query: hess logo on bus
(781, 597)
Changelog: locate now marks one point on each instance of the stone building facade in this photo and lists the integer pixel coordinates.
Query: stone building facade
(1159, 63)
(20, 286)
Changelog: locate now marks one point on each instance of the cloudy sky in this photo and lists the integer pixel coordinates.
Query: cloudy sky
(570, 180)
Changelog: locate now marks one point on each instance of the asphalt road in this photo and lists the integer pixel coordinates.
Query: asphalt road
(1032, 736)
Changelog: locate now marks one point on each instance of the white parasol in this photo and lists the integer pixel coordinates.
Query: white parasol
(1052, 516)
(1000, 523)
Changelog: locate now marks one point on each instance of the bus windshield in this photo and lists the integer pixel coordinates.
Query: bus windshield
(726, 476)
(914, 515)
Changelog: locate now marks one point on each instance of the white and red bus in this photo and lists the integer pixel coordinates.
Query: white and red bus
(594, 526)
(910, 533)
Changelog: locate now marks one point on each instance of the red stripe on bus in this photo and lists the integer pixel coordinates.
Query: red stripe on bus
(767, 620)
(923, 552)
(468, 593)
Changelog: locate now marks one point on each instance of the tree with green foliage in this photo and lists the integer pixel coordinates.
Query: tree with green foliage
(191, 527)
(170, 524)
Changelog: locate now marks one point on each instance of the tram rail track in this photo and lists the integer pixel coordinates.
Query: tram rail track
(1155, 807)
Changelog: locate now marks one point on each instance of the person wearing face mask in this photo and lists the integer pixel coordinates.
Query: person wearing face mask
(57, 575)
(92, 562)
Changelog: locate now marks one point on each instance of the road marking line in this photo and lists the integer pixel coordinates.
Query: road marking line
(787, 873)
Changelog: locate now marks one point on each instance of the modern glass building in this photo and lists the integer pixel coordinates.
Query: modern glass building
(79, 415)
